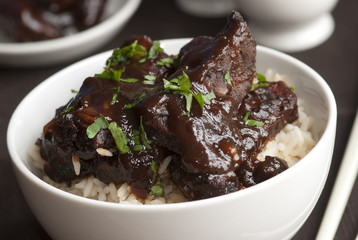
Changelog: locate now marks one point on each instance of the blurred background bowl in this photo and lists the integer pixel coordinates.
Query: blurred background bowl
(290, 26)
(274, 209)
(49, 52)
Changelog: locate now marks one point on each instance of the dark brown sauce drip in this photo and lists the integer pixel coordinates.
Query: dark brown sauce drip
(214, 150)
(36, 20)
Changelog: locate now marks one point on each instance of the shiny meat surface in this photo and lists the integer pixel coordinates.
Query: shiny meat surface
(200, 107)
(65, 136)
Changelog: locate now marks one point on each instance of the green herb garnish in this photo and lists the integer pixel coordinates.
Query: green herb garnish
(166, 62)
(143, 135)
(182, 85)
(129, 80)
(157, 189)
(292, 88)
(154, 50)
(74, 91)
(136, 138)
(261, 82)
(96, 126)
(228, 78)
(120, 137)
(124, 54)
(115, 96)
(69, 109)
(204, 98)
(149, 79)
(110, 73)
(136, 101)
(251, 122)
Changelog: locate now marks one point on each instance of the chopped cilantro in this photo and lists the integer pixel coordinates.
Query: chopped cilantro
(143, 135)
(154, 50)
(124, 54)
(166, 62)
(149, 79)
(292, 88)
(96, 126)
(115, 96)
(119, 136)
(157, 189)
(69, 109)
(182, 85)
(111, 74)
(228, 78)
(136, 101)
(129, 80)
(250, 122)
(74, 91)
(136, 138)
(261, 82)
(204, 98)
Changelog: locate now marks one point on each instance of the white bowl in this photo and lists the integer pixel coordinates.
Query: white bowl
(291, 26)
(48, 52)
(274, 209)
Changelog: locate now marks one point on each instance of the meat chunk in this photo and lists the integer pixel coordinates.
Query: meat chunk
(65, 138)
(271, 108)
(224, 66)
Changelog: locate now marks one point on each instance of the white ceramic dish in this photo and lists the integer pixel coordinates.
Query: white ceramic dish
(274, 209)
(48, 52)
(289, 26)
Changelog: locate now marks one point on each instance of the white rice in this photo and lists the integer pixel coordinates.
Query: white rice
(292, 143)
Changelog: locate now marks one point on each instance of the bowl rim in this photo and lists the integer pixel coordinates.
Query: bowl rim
(30, 176)
(109, 24)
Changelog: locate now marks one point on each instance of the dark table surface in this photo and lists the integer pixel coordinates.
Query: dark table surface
(336, 60)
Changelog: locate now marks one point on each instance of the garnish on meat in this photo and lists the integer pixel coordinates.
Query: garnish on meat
(200, 107)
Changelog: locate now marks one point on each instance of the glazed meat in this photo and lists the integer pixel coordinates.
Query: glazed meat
(203, 108)
(203, 137)
(65, 138)
(271, 108)
(35, 20)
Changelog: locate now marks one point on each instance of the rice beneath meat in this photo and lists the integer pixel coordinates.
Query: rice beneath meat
(292, 143)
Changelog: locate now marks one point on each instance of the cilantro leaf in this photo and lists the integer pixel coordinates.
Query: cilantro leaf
(157, 189)
(154, 50)
(182, 85)
(143, 135)
(251, 122)
(228, 78)
(119, 136)
(261, 82)
(129, 80)
(137, 100)
(166, 62)
(136, 139)
(204, 98)
(96, 126)
(124, 54)
(115, 96)
(149, 79)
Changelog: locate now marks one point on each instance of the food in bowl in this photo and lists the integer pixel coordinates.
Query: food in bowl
(36, 20)
(155, 128)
